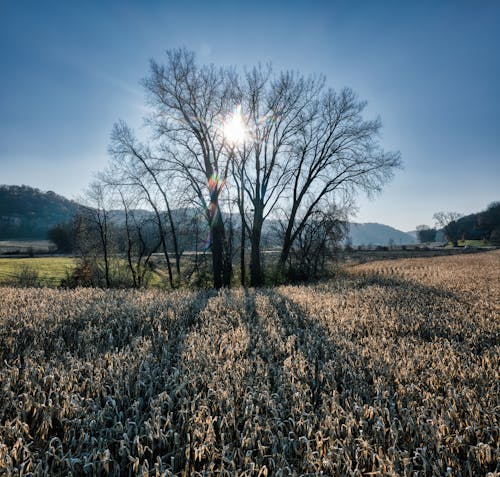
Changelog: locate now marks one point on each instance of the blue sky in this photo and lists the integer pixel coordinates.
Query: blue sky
(430, 69)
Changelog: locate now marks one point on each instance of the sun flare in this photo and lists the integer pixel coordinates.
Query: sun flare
(234, 127)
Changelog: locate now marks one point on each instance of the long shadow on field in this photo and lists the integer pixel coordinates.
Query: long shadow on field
(97, 330)
(313, 341)
(428, 313)
(327, 368)
(123, 393)
(299, 374)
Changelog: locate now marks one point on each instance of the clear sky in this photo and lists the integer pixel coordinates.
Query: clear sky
(430, 69)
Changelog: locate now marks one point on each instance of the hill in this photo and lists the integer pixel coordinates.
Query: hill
(378, 234)
(27, 213)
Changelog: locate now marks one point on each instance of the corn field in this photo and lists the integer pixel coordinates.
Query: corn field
(392, 369)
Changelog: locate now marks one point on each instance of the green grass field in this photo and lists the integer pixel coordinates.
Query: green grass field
(471, 243)
(51, 270)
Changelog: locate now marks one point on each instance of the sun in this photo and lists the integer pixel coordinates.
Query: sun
(234, 128)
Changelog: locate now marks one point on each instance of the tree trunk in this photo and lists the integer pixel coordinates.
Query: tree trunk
(196, 233)
(129, 251)
(167, 258)
(106, 261)
(228, 257)
(242, 241)
(242, 256)
(287, 240)
(129, 243)
(174, 237)
(256, 278)
(285, 250)
(103, 229)
(217, 246)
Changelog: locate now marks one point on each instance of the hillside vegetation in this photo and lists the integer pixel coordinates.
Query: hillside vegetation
(391, 370)
(28, 213)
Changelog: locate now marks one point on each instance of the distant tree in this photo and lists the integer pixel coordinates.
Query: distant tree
(63, 236)
(348, 244)
(426, 234)
(495, 236)
(448, 222)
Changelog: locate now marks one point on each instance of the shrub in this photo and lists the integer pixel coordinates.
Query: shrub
(27, 276)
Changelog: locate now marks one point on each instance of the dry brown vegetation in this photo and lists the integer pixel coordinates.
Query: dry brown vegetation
(393, 369)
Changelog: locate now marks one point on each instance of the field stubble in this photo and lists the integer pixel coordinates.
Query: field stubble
(390, 370)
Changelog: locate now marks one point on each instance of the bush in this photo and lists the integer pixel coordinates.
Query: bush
(27, 276)
(81, 276)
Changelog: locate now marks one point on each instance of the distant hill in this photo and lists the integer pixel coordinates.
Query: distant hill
(378, 234)
(27, 213)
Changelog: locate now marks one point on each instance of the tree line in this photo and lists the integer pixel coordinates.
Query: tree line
(244, 149)
(484, 225)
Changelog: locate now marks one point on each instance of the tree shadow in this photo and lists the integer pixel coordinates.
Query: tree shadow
(112, 391)
(97, 329)
(302, 373)
(338, 374)
(313, 340)
(296, 377)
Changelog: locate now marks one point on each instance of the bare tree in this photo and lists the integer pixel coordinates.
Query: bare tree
(317, 242)
(140, 245)
(189, 105)
(128, 169)
(304, 147)
(306, 144)
(336, 153)
(239, 179)
(448, 222)
(274, 108)
(134, 165)
(95, 227)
